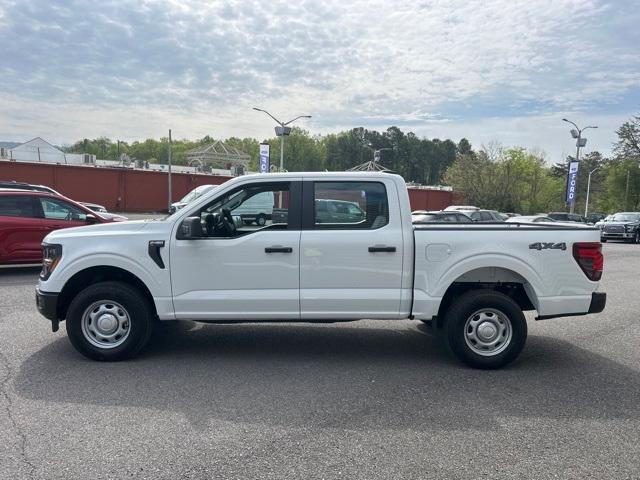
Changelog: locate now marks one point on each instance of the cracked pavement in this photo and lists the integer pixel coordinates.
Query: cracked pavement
(356, 400)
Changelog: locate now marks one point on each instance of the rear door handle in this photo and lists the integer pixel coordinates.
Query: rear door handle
(382, 248)
(278, 249)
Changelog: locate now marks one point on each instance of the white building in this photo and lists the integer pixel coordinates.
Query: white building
(39, 150)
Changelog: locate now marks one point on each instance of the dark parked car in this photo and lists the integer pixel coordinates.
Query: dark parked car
(327, 211)
(486, 216)
(567, 217)
(595, 217)
(424, 216)
(622, 226)
(338, 211)
(27, 216)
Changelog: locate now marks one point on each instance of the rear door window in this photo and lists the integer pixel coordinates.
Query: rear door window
(17, 206)
(350, 205)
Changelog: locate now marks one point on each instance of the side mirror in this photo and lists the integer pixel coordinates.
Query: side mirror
(91, 219)
(191, 227)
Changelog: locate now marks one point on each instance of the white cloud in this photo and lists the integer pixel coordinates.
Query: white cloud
(131, 69)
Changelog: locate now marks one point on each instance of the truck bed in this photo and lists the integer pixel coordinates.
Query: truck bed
(538, 256)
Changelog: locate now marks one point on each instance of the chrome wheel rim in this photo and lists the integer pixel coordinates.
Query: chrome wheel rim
(488, 332)
(106, 324)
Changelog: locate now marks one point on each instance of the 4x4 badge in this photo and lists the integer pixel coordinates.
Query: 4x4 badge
(548, 246)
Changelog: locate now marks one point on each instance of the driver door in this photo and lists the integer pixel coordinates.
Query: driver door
(250, 274)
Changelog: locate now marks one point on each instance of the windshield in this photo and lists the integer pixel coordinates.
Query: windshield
(625, 217)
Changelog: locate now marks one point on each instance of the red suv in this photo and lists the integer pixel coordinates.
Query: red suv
(26, 217)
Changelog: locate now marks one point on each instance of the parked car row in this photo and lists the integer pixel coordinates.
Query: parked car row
(30, 212)
(619, 226)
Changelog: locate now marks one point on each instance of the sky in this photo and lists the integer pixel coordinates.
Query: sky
(504, 71)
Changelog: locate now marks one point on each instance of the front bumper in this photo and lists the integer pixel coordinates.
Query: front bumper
(617, 235)
(47, 303)
(598, 302)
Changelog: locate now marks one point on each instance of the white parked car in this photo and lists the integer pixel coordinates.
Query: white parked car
(113, 282)
(544, 219)
(190, 197)
(530, 219)
(462, 208)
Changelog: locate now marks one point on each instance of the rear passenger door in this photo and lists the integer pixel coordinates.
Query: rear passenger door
(21, 231)
(351, 267)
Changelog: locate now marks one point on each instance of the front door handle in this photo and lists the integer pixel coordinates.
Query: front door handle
(382, 248)
(278, 249)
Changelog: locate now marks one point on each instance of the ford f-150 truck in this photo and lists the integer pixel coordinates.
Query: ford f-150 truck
(113, 282)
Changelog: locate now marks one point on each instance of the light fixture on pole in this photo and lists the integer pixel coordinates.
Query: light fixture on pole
(281, 130)
(580, 142)
(586, 203)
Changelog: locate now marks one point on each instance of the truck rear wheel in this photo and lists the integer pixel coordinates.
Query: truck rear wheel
(485, 329)
(109, 321)
(261, 220)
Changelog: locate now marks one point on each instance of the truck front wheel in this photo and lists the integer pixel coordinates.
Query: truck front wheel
(485, 329)
(109, 321)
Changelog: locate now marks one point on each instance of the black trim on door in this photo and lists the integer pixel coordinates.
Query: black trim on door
(294, 213)
(308, 208)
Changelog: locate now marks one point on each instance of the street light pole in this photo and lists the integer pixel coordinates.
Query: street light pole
(281, 153)
(586, 203)
(580, 142)
(281, 131)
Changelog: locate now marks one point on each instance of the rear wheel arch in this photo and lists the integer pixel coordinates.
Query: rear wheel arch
(498, 279)
(103, 273)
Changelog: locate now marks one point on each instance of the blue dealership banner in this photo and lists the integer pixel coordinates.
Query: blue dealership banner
(572, 182)
(264, 158)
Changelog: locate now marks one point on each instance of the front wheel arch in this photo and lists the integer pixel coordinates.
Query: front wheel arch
(110, 321)
(101, 273)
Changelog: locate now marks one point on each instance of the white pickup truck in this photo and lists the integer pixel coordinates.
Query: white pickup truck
(113, 282)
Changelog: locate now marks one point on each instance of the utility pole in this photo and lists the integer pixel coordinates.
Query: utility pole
(626, 192)
(170, 193)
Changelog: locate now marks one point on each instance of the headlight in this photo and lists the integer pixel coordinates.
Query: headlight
(51, 254)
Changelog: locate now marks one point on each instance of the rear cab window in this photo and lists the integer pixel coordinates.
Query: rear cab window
(350, 205)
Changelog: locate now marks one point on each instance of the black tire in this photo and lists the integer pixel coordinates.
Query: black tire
(636, 238)
(261, 220)
(495, 307)
(129, 301)
(603, 240)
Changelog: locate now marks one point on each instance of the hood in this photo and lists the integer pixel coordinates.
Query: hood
(628, 222)
(112, 217)
(111, 228)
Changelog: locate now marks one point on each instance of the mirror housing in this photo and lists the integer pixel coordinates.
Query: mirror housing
(190, 228)
(91, 218)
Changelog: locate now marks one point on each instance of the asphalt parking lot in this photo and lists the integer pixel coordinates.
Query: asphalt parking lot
(359, 400)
